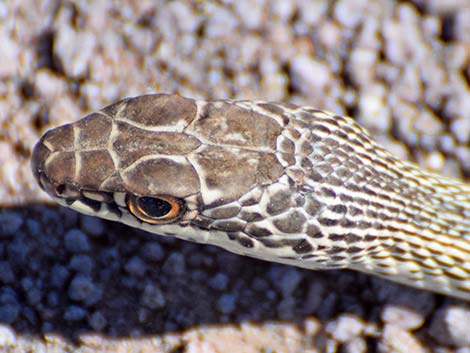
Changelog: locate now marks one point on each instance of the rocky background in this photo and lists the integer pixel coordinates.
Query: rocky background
(75, 283)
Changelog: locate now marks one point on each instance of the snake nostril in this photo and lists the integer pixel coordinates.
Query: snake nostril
(60, 189)
(67, 191)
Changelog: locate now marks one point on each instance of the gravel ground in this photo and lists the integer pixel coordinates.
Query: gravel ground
(70, 282)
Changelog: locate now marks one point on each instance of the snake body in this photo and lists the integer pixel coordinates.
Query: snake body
(279, 182)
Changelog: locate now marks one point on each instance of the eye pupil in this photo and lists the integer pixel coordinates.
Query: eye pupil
(154, 207)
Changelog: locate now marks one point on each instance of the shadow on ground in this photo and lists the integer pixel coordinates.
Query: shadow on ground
(66, 273)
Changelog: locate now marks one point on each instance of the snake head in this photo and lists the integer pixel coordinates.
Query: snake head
(130, 156)
(159, 159)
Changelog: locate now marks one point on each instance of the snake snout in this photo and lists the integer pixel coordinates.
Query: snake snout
(39, 156)
(51, 162)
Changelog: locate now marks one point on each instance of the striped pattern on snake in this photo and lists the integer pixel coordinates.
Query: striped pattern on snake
(279, 182)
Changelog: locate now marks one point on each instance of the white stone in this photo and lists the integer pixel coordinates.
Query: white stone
(404, 317)
(345, 328)
(7, 336)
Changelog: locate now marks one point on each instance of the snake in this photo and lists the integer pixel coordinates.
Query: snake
(275, 181)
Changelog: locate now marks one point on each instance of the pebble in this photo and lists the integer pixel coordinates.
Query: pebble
(74, 313)
(397, 340)
(283, 9)
(9, 312)
(260, 284)
(9, 306)
(136, 266)
(409, 85)
(462, 26)
(8, 295)
(219, 282)
(49, 85)
(51, 219)
(75, 50)
(444, 7)
(30, 315)
(402, 316)
(372, 109)
(451, 326)
(194, 259)
(349, 13)
(286, 279)
(428, 125)
(34, 227)
(356, 345)
(47, 327)
(312, 12)
(59, 275)
(226, 303)
(6, 273)
(153, 251)
(368, 39)
(199, 275)
(97, 321)
(93, 226)
(461, 128)
(34, 296)
(315, 296)
(9, 64)
(82, 288)
(286, 309)
(435, 161)
(312, 326)
(307, 74)
(361, 60)
(185, 19)
(328, 306)
(76, 241)
(345, 328)
(175, 264)
(251, 14)
(330, 36)
(52, 298)
(221, 25)
(19, 252)
(153, 297)
(10, 223)
(7, 336)
(81, 263)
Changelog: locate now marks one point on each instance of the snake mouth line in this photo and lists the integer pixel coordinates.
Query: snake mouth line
(69, 194)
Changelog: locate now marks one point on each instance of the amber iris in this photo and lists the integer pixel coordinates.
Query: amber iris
(159, 209)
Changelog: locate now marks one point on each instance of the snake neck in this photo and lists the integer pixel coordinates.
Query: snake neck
(380, 215)
(426, 238)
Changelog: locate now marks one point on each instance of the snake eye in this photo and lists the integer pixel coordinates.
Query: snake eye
(160, 209)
